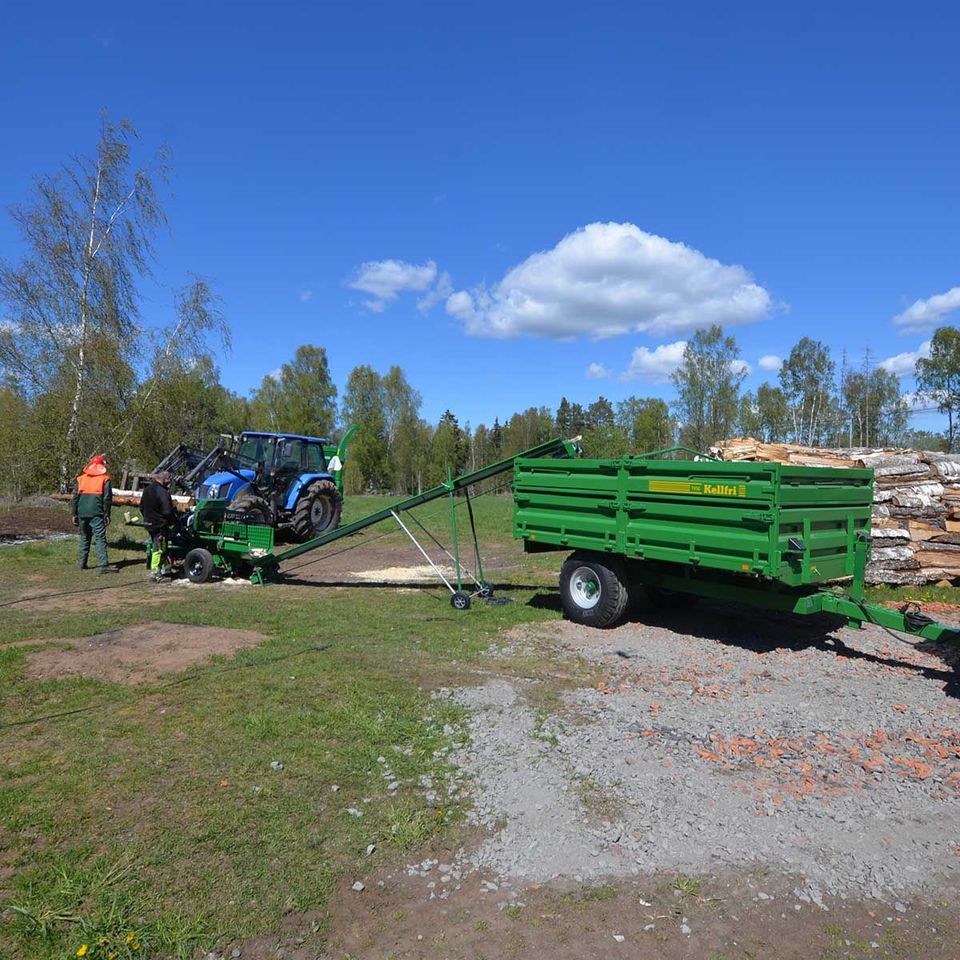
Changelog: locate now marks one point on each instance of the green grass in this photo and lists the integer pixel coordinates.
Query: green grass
(155, 812)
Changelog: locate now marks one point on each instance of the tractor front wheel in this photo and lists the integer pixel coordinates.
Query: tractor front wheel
(198, 565)
(256, 509)
(317, 511)
(594, 589)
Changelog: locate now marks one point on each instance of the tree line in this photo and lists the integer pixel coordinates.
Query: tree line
(80, 373)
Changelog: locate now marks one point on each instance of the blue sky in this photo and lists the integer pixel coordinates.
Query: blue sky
(805, 156)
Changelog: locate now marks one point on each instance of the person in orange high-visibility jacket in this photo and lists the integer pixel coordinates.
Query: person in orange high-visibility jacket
(90, 506)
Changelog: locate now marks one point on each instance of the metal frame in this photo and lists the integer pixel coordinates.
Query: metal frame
(267, 568)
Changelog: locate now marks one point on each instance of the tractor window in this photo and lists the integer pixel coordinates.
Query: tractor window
(315, 461)
(255, 450)
(290, 458)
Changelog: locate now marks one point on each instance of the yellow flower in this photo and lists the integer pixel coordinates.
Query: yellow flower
(82, 952)
(129, 938)
(135, 944)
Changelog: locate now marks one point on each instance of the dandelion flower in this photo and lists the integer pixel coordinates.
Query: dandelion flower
(130, 937)
(82, 952)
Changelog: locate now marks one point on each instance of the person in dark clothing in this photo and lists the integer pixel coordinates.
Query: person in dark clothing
(90, 506)
(159, 517)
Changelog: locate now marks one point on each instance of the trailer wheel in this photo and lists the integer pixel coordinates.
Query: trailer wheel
(594, 589)
(198, 565)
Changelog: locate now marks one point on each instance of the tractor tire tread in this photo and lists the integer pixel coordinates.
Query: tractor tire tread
(301, 526)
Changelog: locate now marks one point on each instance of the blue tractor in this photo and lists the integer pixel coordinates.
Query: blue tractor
(291, 482)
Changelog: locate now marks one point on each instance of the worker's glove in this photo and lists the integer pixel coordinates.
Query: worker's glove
(106, 520)
(76, 521)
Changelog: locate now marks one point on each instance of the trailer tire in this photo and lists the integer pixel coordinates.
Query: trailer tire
(317, 511)
(594, 589)
(198, 565)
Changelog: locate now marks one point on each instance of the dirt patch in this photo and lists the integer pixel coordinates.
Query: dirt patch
(34, 522)
(138, 653)
(669, 916)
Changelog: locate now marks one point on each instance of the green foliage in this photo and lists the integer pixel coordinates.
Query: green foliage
(408, 437)
(938, 376)
(15, 420)
(708, 388)
(448, 450)
(646, 423)
(926, 440)
(876, 411)
(300, 399)
(73, 300)
(526, 429)
(773, 415)
(806, 379)
(364, 404)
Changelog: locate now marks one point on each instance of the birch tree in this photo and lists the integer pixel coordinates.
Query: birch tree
(938, 377)
(806, 379)
(708, 388)
(88, 232)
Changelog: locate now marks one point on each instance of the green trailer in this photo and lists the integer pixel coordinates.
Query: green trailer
(770, 535)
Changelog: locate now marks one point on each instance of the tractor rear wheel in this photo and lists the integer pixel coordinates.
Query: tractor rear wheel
(317, 511)
(256, 508)
(594, 589)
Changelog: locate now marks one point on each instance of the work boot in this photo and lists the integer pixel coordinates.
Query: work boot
(108, 569)
(83, 565)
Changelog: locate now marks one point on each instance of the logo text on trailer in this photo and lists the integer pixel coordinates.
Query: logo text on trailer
(698, 488)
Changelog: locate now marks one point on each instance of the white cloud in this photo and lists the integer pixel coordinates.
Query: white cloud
(740, 366)
(905, 363)
(770, 362)
(597, 371)
(923, 314)
(384, 279)
(276, 374)
(440, 291)
(655, 365)
(607, 279)
(306, 296)
(460, 305)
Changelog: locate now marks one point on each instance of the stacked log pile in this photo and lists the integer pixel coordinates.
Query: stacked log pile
(916, 504)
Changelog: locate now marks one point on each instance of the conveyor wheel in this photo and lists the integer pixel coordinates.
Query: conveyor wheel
(460, 600)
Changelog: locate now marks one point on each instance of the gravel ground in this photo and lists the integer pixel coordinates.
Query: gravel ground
(720, 739)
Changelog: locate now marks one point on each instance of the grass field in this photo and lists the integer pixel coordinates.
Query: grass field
(146, 820)
(154, 810)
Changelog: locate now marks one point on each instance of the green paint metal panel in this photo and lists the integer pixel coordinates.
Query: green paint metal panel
(708, 514)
